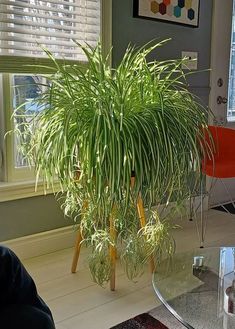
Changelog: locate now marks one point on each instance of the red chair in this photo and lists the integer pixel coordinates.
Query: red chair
(222, 143)
(218, 163)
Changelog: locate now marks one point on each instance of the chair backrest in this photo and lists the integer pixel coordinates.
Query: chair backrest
(222, 141)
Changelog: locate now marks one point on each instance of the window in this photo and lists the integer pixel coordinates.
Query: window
(52, 23)
(26, 89)
(26, 28)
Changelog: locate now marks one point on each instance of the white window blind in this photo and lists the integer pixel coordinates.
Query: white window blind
(27, 24)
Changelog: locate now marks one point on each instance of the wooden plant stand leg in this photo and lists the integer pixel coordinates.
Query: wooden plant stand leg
(77, 246)
(142, 218)
(76, 253)
(140, 208)
(112, 252)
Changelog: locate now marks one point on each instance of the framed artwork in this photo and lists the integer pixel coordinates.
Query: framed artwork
(184, 12)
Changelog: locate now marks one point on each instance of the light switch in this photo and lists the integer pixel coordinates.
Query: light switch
(192, 60)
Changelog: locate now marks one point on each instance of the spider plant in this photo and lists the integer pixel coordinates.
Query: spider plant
(100, 127)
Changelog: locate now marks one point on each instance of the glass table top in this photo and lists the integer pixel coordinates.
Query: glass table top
(198, 287)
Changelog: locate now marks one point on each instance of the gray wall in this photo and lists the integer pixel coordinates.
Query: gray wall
(138, 31)
(32, 215)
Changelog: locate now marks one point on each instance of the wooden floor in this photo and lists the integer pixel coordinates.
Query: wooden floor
(77, 303)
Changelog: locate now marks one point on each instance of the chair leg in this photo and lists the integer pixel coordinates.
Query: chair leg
(190, 208)
(202, 229)
(202, 217)
(142, 218)
(112, 252)
(76, 252)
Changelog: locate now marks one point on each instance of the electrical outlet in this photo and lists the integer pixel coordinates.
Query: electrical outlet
(192, 60)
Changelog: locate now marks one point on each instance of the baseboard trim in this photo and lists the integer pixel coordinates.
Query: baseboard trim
(42, 243)
(58, 239)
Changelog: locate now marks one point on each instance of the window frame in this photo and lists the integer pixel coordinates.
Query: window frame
(23, 178)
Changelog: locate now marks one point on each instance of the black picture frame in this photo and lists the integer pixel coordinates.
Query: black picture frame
(183, 14)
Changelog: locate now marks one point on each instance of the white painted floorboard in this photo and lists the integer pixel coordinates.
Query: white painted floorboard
(77, 303)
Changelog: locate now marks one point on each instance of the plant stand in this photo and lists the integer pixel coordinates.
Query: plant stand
(112, 250)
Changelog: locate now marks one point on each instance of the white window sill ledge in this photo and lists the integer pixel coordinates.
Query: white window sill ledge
(21, 190)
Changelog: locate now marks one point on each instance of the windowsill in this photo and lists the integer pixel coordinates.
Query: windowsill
(20, 190)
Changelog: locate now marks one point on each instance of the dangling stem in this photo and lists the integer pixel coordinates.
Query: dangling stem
(112, 250)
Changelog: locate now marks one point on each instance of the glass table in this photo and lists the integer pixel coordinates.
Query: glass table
(198, 287)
